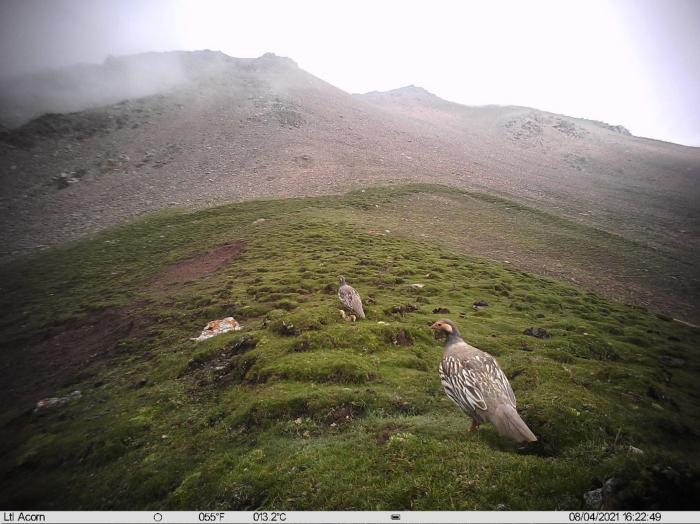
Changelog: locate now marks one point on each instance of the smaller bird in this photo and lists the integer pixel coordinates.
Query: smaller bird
(350, 298)
(475, 382)
(346, 317)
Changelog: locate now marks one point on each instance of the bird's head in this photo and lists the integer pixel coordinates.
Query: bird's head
(341, 278)
(446, 326)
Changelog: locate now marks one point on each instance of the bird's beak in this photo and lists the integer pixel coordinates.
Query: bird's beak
(435, 326)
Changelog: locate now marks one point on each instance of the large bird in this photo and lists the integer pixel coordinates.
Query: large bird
(350, 298)
(474, 381)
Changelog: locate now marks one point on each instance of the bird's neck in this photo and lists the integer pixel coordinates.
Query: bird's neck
(453, 338)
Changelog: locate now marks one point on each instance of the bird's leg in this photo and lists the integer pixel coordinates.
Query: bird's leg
(475, 426)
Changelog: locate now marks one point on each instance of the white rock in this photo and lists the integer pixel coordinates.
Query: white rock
(53, 402)
(216, 327)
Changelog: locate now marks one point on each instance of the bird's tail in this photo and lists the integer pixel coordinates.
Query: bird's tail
(509, 424)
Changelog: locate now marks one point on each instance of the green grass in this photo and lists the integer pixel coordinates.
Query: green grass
(301, 410)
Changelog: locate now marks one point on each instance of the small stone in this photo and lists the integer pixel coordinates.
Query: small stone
(670, 474)
(593, 500)
(417, 286)
(671, 362)
(635, 451)
(307, 434)
(298, 421)
(259, 221)
(401, 339)
(536, 332)
(53, 402)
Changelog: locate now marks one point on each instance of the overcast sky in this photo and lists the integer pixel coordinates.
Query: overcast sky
(629, 62)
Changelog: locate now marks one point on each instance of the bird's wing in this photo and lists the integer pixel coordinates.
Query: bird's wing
(345, 296)
(494, 381)
(474, 379)
(462, 384)
(350, 298)
(501, 379)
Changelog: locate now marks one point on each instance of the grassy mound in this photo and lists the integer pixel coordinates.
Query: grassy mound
(302, 410)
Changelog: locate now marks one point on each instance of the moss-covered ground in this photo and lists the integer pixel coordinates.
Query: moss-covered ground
(302, 410)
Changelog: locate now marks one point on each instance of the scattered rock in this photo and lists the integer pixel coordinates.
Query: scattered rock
(54, 402)
(139, 383)
(417, 286)
(661, 487)
(441, 310)
(615, 128)
(655, 393)
(536, 332)
(480, 303)
(671, 362)
(668, 473)
(635, 451)
(404, 308)
(611, 488)
(216, 327)
(63, 180)
(593, 500)
(342, 414)
(285, 329)
(259, 221)
(402, 339)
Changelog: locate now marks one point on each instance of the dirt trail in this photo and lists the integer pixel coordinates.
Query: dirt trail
(197, 266)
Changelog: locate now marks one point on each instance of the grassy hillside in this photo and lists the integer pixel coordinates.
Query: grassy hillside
(302, 410)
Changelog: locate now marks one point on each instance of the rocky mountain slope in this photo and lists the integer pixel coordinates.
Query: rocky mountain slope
(222, 129)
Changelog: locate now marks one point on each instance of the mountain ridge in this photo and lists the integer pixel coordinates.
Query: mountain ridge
(247, 128)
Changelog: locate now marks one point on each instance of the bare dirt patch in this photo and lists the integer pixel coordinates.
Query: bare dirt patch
(40, 364)
(198, 266)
